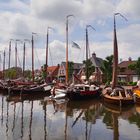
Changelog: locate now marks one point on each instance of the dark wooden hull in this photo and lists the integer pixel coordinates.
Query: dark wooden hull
(138, 100)
(82, 95)
(136, 92)
(29, 91)
(116, 100)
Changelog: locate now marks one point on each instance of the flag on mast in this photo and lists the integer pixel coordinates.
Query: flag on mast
(75, 45)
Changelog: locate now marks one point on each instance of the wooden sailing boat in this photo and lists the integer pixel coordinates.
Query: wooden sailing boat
(136, 93)
(60, 90)
(84, 90)
(116, 95)
(30, 88)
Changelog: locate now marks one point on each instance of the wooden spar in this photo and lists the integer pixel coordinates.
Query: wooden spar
(9, 54)
(47, 41)
(67, 50)
(16, 54)
(4, 65)
(87, 49)
(87, 45)
(32, 58)
(23, 58)
(66, 81)
(115, 58)
(47, 47)
(115, 53)
(24, 49)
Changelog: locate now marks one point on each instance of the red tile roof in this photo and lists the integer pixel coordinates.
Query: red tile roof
(53, 70)
(126, 63)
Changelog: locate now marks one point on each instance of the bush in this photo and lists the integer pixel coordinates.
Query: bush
(122, 83)
(132, 83)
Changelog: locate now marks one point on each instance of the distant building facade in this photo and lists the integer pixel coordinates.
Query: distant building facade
(97, 75)
(62, 70)
(125, 74)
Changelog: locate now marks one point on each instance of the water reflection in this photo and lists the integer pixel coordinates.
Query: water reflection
(45, 122)
(38, 118)
(14, 116)
(30, 124)
(22, 125)
(113, 115)
(7, 119)
(2, 109)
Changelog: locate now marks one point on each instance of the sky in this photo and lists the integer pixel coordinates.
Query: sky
(19, 18)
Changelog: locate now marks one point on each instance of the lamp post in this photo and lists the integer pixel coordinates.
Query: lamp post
(67, 19)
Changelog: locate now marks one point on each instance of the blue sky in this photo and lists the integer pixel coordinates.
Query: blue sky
(19, 18)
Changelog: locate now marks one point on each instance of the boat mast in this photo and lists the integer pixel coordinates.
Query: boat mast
(16, 55)
(87, 45)
(115, 54)
(4, 65)
(47, 44)
(24, 49)
(23, 58)
(67, 47)
(9, 54)
(33, 57)
(87, 50)
(115, 58)
(47, 41)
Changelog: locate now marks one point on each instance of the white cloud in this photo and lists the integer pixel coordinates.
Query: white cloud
(19, 19)
(132, 8)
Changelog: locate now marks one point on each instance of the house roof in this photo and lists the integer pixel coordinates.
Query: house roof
(53, 70)
(96, 61)
(125, 63)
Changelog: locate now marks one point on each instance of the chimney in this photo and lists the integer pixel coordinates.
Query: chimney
(94, 55)
(129, 59)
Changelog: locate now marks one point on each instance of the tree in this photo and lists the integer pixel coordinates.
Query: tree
(138, 66)
(70, 69)
(132, 66)
(90, 66)
(135, 66)
(107, 68)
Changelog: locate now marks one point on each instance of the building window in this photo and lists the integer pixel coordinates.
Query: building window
(122, 69)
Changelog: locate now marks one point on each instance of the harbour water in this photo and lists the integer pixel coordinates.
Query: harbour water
(39, 118)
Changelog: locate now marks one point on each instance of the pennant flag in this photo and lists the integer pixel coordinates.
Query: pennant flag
(75, 45)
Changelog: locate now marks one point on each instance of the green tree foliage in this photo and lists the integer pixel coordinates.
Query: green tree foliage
(107, 68)
(138, 66)
(10, 73)
(135, 66)
(44, 74)
(70, 69)
(90, 66)
(28, 74)
(132, 66)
